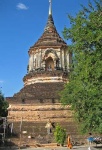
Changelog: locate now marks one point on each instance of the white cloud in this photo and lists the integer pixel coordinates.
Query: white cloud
(21, 6)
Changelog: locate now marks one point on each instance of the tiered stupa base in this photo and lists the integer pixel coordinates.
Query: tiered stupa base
(34, 105)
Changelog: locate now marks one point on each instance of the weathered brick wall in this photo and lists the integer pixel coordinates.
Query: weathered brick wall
(40, 91)
(41, 103)
(41, 112)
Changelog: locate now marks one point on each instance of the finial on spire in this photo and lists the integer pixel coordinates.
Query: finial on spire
(50, 7)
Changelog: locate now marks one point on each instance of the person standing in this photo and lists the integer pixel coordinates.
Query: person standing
(69, 144)
(90, 140)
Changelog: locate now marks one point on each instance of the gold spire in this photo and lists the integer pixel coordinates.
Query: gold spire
(50, 7)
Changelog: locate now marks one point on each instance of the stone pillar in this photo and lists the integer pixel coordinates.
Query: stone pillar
(60, 58)
(65, 62)
(40, 58)
(63, 59)
(36, 59)
(54, 63)
(31, 62)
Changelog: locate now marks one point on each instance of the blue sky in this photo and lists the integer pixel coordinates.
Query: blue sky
(22, 22)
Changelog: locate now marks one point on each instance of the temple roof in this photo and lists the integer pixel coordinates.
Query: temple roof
(50, 36)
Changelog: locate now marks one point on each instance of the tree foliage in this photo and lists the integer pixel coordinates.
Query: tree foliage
(3, 106)
(84, 90)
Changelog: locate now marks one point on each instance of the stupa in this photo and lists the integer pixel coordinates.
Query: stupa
(47, 72)
(39, 101)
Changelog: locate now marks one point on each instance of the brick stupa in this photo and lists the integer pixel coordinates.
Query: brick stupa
(47, 72)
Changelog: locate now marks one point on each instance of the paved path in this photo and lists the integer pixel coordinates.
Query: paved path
(58, 148)
(65, 148)
(62, 148)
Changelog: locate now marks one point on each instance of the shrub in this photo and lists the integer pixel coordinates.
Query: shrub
(60, 134)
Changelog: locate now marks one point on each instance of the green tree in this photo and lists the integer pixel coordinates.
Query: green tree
(60, 134)
(84, 90)
(3, 106)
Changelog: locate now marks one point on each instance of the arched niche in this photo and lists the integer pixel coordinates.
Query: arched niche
(49, 64)
(50, 53)
(51, 59)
